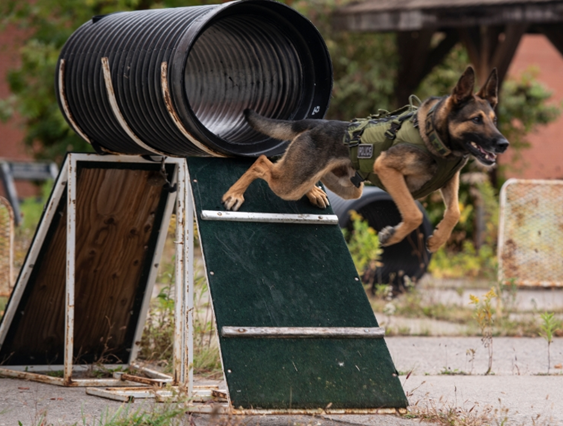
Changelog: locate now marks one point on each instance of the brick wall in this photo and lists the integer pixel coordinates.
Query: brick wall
(11, 134)
(544, 160)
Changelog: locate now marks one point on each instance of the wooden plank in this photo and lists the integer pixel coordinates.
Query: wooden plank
(505, 49)
(119, 208)
(369, 16)
(555, 35)
(413, 48)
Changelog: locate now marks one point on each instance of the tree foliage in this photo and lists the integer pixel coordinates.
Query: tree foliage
(365, 68)
(46, 25)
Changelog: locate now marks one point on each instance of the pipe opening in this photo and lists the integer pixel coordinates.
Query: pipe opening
(244, 62)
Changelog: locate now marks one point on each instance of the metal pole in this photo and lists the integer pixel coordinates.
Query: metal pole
(70, 269)
(179, 318)
(189, 291)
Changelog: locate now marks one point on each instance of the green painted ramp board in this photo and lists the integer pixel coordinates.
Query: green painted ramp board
(288, 275)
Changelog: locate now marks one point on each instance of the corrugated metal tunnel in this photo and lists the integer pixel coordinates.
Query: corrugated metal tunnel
(176, 81)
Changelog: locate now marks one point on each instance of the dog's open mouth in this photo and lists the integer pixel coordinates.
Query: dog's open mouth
(480, 154)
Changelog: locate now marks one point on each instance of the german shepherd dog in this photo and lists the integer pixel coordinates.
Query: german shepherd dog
(465, 123)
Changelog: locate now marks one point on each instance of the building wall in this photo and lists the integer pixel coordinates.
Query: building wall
(544, 159)
(11, 133)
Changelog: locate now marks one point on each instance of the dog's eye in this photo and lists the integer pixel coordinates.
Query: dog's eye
(477, 120)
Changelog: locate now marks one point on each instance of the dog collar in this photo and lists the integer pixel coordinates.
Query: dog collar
(432, 134)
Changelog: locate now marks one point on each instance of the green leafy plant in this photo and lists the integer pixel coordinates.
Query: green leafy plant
(548, 327)
(363, 244)
(158, 335)
(167, 414)
(483, 312)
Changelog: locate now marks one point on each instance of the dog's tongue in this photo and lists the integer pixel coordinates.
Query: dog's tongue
(488, 155)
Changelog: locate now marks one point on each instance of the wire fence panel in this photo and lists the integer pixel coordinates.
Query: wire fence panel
(530, 248)
(6, 247)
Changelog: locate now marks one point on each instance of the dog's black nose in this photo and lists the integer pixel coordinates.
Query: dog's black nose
(501, 145)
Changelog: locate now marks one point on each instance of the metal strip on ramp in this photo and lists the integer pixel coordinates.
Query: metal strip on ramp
(288, 275)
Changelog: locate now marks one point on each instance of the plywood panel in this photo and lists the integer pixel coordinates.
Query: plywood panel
(119, 211)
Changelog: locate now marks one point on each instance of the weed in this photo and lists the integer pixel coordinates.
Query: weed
(548, 328)
(207, 361)
(165, 415)
(467, 263)
(410, 304)
(483, 313)
(447, 414)
(363, 244)
(447, 371)
(470, 354)
(158, 335)
(383, 291)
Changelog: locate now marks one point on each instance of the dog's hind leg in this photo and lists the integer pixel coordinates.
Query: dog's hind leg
(451, 215)
(341, 184)
(396, 186)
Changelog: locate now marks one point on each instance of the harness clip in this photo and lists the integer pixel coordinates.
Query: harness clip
(357, 179)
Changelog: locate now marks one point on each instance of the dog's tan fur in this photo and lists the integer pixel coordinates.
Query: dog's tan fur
(316, 153)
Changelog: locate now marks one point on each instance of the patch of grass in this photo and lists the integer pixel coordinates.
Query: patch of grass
(468, 263)
(447, 371)
(451, 415)
(411, 305)
(158, 336)
(160, 415)
(3, 303)
(445, 413)
(509, 322)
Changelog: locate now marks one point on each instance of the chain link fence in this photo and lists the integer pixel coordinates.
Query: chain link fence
(530, 250)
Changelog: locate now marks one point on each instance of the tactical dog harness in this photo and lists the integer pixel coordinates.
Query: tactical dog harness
(367, 138)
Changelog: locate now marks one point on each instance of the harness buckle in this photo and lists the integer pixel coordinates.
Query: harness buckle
(357, 179)
(391, 133)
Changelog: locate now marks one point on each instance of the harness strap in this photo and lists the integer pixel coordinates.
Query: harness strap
(432, 134)
(357, 128)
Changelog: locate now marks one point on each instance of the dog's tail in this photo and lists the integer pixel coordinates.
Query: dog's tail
(278, 129)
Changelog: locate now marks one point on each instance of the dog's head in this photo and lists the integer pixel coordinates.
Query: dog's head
(471, 119)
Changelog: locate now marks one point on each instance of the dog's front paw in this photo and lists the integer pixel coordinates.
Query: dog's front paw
(318, 197)
(434, 243)
(385, 235)
(233, 201)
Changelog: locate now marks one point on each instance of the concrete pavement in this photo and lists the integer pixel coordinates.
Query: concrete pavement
(517, 393)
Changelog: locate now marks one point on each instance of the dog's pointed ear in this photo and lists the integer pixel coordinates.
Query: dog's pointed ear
(489, 91)
(464, 87)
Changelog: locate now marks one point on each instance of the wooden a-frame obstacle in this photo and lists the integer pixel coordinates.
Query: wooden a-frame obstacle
(296, 331)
